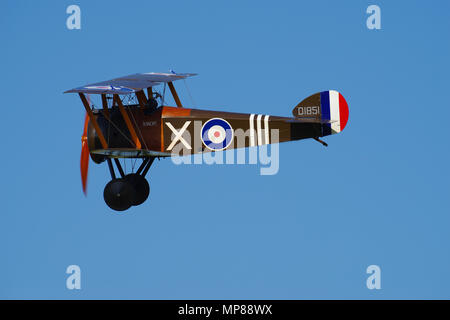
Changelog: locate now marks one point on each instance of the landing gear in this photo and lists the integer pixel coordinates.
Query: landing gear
(129, 190)
(140, 186)
(118, 194)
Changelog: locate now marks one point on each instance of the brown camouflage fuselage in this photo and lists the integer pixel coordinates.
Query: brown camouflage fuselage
(157, 129)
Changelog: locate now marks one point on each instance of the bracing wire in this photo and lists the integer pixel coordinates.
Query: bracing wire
(164, 95)
(189, 93)
(139, 130)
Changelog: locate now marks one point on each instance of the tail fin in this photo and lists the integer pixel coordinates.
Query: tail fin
(326, 107)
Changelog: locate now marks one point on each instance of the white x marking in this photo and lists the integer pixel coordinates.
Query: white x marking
(178, 135)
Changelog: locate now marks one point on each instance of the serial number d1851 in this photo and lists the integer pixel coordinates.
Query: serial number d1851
(308, 111)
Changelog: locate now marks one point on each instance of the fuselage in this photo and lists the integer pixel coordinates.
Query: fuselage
(166, 129)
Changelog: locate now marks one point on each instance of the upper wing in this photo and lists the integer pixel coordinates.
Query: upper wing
(131, 83)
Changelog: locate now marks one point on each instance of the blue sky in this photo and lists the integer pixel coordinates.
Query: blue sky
(378, 194)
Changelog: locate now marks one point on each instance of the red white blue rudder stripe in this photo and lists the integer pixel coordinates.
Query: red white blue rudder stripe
(334, 110)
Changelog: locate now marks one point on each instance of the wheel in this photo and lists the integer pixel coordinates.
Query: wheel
(140, 186)
(119, 194)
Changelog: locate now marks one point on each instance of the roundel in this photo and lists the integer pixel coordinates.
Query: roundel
(217, 134)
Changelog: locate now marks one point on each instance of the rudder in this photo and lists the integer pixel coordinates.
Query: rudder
(326, 107)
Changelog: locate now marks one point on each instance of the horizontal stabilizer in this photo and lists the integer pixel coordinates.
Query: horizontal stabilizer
(311, 120)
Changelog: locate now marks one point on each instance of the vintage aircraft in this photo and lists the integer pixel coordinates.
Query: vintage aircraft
(133, 124)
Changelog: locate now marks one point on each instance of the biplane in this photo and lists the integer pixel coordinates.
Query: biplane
(135, 122)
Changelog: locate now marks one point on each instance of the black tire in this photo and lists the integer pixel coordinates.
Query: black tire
(118, 194)
(140, 186)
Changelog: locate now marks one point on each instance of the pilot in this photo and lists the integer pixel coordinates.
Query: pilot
(152, 104)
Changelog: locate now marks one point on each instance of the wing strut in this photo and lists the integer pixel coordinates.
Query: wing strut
(175, 95)
(105, 105)
(140, 95)
(93, 120)
(149, 93)
(134, 136)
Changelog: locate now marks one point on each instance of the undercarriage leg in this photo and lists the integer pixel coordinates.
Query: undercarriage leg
(111, 169)
(147, 166)
(142, 166)
(119, 167)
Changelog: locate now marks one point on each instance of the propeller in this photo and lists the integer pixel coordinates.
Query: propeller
(84, 160)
